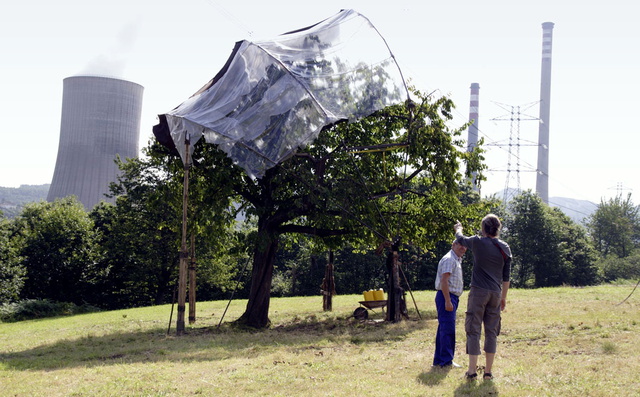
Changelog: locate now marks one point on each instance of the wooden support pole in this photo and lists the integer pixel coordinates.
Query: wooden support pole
(184, 253)
(192, 281)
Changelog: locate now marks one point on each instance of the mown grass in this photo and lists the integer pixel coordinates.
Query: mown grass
(555, 342)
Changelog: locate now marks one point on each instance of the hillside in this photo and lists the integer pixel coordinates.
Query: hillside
(12, 199)
(577, 210)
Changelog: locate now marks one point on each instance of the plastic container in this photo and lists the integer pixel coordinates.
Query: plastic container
(368, 295)
(378, 295)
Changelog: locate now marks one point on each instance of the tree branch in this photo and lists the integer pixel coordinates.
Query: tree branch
(312, 230)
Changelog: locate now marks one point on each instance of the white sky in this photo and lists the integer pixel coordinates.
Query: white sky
(172, 48)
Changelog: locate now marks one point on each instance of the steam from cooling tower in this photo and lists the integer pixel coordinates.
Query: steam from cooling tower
(113, 62)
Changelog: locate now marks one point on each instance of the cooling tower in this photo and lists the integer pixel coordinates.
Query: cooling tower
(542, 179)
(100, 119)
(472, 140)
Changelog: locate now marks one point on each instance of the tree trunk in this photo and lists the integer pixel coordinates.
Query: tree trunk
(328, 287)
(396, 305)
(256, 314)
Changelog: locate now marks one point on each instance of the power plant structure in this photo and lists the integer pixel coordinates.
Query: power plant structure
(472, 140)
(100, 120)
(542, 177)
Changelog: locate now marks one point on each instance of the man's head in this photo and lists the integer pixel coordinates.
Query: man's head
(458, 248)
(491, 226)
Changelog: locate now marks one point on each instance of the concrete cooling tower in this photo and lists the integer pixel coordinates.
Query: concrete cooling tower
(100, 119)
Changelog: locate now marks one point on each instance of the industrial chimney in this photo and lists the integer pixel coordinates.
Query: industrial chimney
(542, 180)
(100, 119)
(472, 140)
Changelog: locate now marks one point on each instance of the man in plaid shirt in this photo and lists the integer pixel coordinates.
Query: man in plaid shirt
(449, 284)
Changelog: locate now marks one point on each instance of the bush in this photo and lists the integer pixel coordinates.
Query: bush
(40, 308)
(614, 268)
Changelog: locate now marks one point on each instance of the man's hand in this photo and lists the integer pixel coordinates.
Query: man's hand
(448, 306)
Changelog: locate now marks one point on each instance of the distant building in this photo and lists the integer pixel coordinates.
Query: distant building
(100, 120)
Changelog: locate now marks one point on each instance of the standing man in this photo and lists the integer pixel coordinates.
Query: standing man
(449, 284)
(490, 280)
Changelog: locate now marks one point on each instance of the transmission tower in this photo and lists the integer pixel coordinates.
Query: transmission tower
(515, 116)
(620, 188)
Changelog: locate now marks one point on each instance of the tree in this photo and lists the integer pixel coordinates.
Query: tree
(578, 257)
(532, 241)
(615, 227)
(56, 244)
(11, 272)
(335, 190)
(140, 236)
(549, 248)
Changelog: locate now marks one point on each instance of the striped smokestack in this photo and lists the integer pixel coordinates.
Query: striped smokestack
(542, 180)
(472, 140)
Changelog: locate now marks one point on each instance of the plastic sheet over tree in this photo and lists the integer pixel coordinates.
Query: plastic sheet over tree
(275, 96)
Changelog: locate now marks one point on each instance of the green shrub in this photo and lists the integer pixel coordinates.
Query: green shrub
(614, 268)
(40, 308)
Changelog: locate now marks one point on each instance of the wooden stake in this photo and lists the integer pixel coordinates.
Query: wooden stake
(184, 253)
(192, 281)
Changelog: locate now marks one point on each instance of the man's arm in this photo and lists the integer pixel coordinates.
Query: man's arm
(505, 289)
(444, 286)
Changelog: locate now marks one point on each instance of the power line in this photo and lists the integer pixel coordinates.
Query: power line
(230, 17)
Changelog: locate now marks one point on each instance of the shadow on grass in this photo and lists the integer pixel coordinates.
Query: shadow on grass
(476, 388)
(203, 343)
(434, 376)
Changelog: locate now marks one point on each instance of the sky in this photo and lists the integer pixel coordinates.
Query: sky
(173, 48)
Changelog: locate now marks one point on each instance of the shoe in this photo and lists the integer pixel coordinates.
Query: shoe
(452, 365)
(470, 377)
(487, 376)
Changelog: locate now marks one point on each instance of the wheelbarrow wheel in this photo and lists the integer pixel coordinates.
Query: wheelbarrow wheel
(361, 313)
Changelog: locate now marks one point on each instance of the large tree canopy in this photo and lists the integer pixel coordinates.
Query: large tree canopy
(393, 174)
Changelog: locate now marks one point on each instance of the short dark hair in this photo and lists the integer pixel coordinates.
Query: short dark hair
(491, 225)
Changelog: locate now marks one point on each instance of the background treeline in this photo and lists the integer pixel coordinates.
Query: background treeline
(126, 255)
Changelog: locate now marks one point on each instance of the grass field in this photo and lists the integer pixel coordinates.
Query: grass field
(555, 342)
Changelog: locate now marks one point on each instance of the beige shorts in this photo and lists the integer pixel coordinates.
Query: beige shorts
(483, 307)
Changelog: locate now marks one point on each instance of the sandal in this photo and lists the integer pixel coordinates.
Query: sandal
(470, 377)
(487, 376)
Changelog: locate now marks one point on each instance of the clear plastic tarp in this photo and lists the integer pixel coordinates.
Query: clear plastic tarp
(275, 96)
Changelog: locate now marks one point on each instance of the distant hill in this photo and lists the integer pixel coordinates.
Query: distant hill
(12, 199)
(578, 210)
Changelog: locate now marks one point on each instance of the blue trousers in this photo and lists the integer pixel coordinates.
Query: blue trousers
(446, 335)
